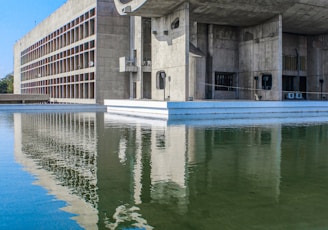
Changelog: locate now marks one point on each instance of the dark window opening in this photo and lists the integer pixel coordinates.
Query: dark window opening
(160, 79)
(175, 24)
(288, 83)
(224, 81)
(266, 81)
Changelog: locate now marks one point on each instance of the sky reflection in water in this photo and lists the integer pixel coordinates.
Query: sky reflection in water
(25, 205)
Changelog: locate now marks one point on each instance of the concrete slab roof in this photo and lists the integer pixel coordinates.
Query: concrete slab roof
(299, 16)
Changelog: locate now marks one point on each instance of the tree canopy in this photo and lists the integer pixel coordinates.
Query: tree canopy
(7, 84)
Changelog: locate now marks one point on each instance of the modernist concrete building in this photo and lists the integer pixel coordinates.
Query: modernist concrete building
(73, 54)
(177, 50)
(269, 50)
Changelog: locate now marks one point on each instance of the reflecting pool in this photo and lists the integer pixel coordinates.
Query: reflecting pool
(103, 171)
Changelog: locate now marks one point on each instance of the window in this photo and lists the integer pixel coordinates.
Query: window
(266, 81)
(160, 79)
(175, 24)
(290, 63)
(224, 81)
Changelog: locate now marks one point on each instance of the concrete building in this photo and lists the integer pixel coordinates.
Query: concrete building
(268, 50)
(177, 50)
(73, 54)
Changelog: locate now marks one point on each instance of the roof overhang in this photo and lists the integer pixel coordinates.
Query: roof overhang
(299, 16)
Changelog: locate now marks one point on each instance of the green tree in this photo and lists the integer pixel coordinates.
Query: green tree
(10, 83)
(3, 86)
(7, 84)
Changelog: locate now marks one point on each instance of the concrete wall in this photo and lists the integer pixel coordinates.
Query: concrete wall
(316, 62)
(260, 52)
(170, 53)
(225, 57)
(244, 52)
(291, 42)
(113, 41)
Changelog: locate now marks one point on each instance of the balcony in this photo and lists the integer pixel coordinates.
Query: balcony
(146, 66)
(127, 65)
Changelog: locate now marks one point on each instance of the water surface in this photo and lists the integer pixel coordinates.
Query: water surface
(101, 171)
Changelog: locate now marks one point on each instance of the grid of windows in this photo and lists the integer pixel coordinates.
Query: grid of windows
(81, 27)
(62, 63)
(78, 57)
(79, 86)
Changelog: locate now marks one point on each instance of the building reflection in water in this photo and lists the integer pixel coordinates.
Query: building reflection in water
(171, 170)
(117, 171)
(61, 150)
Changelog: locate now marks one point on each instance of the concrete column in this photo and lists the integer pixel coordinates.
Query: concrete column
(210, 73)
(132, 48)
(323, 80)
(278, 83)
(189, 92)
(138, 46)
(315, 66)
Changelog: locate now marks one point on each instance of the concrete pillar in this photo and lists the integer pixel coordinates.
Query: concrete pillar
(315, 67)
(187, 37)
(132, 53)
(138, 46)
(323, 81)
(199, 38)
(210, 60)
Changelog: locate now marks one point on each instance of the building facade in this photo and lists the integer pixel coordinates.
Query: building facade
(70, 55)
(177, 50)
(271, 50)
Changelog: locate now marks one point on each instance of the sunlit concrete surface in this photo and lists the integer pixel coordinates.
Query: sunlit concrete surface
(217, 109)
(51, 107)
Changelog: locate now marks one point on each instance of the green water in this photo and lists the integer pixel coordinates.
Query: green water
(128, 173)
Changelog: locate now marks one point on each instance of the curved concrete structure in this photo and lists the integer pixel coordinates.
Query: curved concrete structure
(299, 16)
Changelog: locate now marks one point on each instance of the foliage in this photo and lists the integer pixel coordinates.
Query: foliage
(7, 84)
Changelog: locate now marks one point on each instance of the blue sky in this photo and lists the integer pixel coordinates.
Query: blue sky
(18, 17)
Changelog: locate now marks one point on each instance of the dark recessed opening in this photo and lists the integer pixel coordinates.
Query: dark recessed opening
(175, 24)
